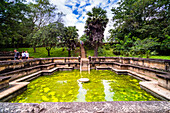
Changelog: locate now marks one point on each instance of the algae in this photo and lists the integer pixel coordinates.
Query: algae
(64, 87)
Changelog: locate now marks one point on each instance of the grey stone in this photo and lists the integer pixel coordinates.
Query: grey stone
(90, 107)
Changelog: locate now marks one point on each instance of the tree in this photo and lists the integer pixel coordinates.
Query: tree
(141, 18)
(123, 47)
(50, 37)
(69, 38)
(146, 47)
(95, 27)
(14, 22)
(43, 13)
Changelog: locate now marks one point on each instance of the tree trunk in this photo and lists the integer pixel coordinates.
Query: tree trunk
(34, 49)
(69, 53)
(48, 52)
(96, 50)
(48, 49)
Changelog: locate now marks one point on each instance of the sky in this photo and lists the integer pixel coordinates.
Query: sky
(76, 10)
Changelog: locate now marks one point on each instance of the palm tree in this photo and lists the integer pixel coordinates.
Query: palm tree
(95, 27)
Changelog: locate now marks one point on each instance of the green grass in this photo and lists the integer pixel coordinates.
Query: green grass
(41, 52)
(58, 52)
(109, 53)
(161, 57)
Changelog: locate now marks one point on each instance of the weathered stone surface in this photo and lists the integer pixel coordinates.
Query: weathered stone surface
(164, 81)
(90, 107)
(160, 64)
(4, 82)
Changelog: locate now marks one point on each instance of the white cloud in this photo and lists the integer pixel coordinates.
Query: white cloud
(71, 19)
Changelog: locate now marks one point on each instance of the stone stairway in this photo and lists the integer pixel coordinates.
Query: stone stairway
(84, 64)
(83, 54)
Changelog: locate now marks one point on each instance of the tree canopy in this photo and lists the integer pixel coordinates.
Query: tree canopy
(69, 38)
(142, 19)
(95, 27)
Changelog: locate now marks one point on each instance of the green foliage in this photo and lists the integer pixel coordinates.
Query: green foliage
(124, 46)
(84, 38)
(95, 27)
(141, 18)
(49, 36)
(14, 22)
(69, 38)
(165, 45)
(136, 47)
(107, 46)
(146, 47)
(42, 14)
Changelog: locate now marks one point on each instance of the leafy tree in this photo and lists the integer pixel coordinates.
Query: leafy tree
(146, 47)
(141, 18)
(69, 38)
(123, 47)
(84, 38)
(43, 13)
(165, 45)
(50, 37)
(14, 21)
(95, 27)
(86, 41)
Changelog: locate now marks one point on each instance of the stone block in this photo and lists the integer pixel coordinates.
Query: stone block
(164, 81)
(4, 82)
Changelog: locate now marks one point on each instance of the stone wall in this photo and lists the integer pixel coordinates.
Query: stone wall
(19, 68)
(148, 67)
(159, 64)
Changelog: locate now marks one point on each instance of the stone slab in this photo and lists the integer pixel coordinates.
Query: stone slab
(88, 107)
(11, 92)
(2, 78)
(155, 89)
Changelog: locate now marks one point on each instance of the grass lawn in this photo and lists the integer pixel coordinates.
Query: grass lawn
(109, 53)
(41, 52)
(58, 52)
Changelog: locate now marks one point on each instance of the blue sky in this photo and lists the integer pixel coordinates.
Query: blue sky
(76, 10)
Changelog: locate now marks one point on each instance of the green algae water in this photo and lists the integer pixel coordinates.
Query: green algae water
(64, 87)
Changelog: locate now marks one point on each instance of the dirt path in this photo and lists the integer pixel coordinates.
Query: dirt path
(83, 54)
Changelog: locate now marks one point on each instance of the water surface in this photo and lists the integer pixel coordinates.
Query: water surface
(64, 87)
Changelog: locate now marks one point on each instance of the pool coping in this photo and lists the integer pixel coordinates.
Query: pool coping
(88, 107)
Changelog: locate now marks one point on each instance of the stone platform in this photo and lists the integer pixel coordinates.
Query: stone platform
(88, 107)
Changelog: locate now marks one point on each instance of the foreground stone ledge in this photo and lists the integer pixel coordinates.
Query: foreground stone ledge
(90, 107)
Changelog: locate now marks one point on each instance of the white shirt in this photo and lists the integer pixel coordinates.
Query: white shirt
(23, 54)
(27, 54)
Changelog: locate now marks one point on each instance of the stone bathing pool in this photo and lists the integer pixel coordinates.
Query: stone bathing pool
(64, 87)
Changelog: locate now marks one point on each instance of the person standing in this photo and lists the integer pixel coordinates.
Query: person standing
(16, 55)
(23, 55)
(27, 55)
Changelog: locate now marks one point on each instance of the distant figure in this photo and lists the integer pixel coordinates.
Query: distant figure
(81, 42)
(16, 55)
(27, 55)
(23, 55)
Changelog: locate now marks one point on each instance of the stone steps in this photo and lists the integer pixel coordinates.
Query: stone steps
(84, 64)
(28, 77)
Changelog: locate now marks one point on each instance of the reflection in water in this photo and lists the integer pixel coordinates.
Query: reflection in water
(82, 93)
(108, 93)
